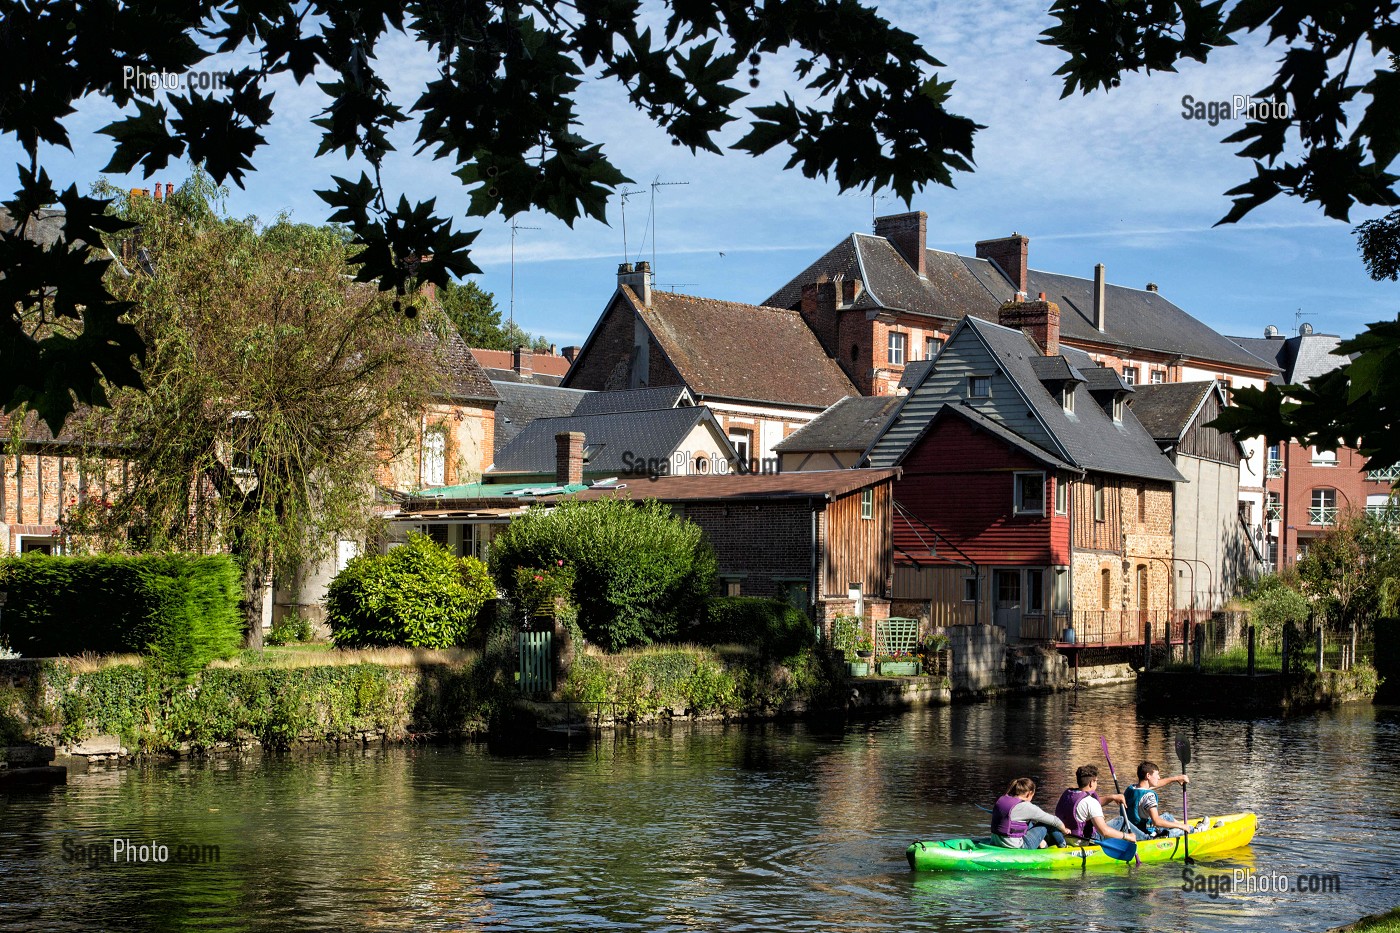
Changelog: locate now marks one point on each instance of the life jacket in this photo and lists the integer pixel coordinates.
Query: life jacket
(1065, 810)
(1133, 798)
(1002, 823)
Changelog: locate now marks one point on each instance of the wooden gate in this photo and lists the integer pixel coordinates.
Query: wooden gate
(536, 662)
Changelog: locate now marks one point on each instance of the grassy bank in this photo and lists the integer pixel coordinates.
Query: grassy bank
(1388, 922)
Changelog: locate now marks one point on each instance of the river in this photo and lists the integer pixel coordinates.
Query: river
(748, 827)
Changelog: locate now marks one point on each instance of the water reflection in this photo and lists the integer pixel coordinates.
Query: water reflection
(768, 827)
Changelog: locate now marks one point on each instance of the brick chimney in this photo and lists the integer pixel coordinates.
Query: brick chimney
(819, 304)
(568, 458)
(1038, 320)
(1099, 297)
(570, 353)
(1009, 254)
(639, 280)
(522, 361)
(908, 233)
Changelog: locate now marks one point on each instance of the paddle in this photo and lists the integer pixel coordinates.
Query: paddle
(1183, 752)
(1125, 850)
(1122, 807)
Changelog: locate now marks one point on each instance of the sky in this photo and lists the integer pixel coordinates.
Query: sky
(1116, 177)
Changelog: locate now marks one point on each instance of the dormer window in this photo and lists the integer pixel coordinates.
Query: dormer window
(1067, 398)
(1118, 408)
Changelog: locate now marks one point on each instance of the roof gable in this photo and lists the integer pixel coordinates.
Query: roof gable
(851, 424)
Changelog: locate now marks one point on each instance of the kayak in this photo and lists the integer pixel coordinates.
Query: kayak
(1224, 834)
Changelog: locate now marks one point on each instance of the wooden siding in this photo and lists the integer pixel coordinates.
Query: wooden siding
(964, 356)
(1208, 443)
(942, 589)
(859, 550)
(1090, 533)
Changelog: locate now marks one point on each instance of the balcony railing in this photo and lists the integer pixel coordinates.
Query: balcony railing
(1322, 515)
(1275, 468)
(1387, 475)
(1273, 512)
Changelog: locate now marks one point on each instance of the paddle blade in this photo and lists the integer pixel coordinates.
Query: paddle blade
(1125, 850)
(1183, 751)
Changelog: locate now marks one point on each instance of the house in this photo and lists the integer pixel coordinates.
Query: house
(1308, 489)
(1212, 549)
(1031, 498)
(525, 366)
(820, 540)
(882, 304)
(838, 438)
(760, 370)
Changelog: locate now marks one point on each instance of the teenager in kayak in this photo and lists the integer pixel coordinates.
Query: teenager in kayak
(1019, 824)
(1141, 807)
(1081, 809)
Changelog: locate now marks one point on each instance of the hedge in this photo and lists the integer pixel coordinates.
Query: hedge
(774, 626)
(180, 609)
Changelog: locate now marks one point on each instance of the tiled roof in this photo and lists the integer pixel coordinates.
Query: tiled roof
(813, 484)
(730, 350)
(1165, 410)
(522, 403)
(651, 399)
(545, 364)
(850, 424)
(613, 440)
(463, 377)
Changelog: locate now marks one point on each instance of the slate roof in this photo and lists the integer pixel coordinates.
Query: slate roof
(45, 231)
(996, 429)
(1165, 410)
(958, 286)
(730, 350)
(1089, 439)
(522, 403)
(1298, 358)
(534, 379)
(851, 424)
(649, 399)
(642, 435)
(463, 377)
(811, 484)
(914, 372)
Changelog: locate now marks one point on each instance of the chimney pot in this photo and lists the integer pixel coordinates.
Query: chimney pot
(568, 458)
(638, 279)
(571, 353)
(1042, 296)
(522, 362)
(908, 234)
(159, 196)
(1011, 255)
(169, 187)
(1151, 286)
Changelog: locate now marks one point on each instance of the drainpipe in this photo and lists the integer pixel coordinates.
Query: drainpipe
(816, 593)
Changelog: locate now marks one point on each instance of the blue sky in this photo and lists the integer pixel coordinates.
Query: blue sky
(1119, 178)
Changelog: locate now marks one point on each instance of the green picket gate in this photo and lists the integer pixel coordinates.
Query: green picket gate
(536, 662)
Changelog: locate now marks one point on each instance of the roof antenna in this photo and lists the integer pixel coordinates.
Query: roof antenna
(1298, 320)
(658, 183)
(514, 226)
(625, 195)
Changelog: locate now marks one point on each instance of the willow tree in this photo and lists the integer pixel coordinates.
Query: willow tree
(274, 385)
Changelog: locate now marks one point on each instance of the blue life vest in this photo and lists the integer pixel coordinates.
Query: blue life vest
(1002, 823)
(1065, 810)
(1141, 822)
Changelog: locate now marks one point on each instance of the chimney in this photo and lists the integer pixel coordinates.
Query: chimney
(522, 362)
(1151, 286)
(1009, 254)
(428, 289)
(553, 350)
(159, 196)
(169, 187)
(568, 458)
(570, 353)
(908, 233)
(1038, 320)
(639, 280)
(1098, 298)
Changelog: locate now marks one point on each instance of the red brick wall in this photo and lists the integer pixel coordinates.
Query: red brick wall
(766, 541)
(607, 362)
(1301, 477)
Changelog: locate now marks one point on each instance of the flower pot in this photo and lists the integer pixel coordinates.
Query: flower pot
(864, 654)
(858, 668)
(899, 668)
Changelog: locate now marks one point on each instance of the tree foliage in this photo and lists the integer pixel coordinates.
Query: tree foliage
(1345, 571)
(500, 106)
(472, 310)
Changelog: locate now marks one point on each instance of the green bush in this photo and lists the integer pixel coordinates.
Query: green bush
(288, 629)
(1273, 609)
(181, 609)
(639, 571)
(418, 595)
(775, 627)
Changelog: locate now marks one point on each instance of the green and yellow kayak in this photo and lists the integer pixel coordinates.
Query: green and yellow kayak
(1224, 834)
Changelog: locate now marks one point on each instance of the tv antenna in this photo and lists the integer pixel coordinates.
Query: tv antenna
(874, 196)
(672, 286)
(625, 195)
(658, 183)
(1298, 320)
(514, 228)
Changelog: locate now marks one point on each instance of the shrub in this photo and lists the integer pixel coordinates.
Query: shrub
(418, 595)
(776, 627)
(181, 609)
(1274, 608)
(639, 571)
(288, 629)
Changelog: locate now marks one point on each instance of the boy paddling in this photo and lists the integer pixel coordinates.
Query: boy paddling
(1019, 824)
(1141, 806)
(1081, 809)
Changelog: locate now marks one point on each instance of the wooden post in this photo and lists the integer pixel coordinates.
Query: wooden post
(1320, 644)
(1283, 650)
(1198, 643)
(1250, 668)
(1147, 646)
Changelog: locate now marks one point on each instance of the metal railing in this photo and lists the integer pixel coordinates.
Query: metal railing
(1322, 515)
(1275, 469)
(1386, 475)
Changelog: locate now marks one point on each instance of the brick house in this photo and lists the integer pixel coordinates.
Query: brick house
(1309, 489)
(759, 369)
(884, 304)
(1031, 497)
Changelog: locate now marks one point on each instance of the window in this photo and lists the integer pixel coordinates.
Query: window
(1061, 496)
(1106, 587)
(796, 593)
(932, 347)
(1030, 494)
(1326, 458)
(1379, 506)
(1060, 594)
(1130, 375)
(1142, 587)
(1067, 397)
(1273, 508)
(1275, 461)
(898, 347)
(733, 587)
(979, 386)
(1324, 507)
(1117, 409)
(1157, 376)
(855, 352)
(1008, 589)
(241, 424)
(1035, 591)
(1142, 503)
(867, 503)
(1098, 500)
(345, 552)
(434, 458)
(742, 439)
(969, 589)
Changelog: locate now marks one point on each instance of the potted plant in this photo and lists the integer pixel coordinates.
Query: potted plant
(935, 654)
(848, 637)
(898, 664)
(864, 646)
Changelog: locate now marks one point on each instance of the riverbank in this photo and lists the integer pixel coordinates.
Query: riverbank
(1261, 695)
(1388, 922)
